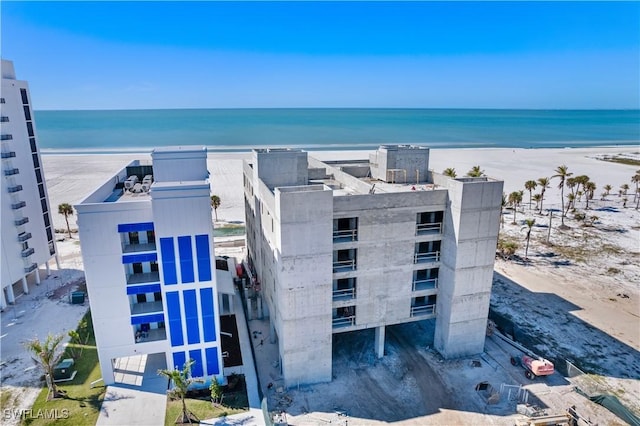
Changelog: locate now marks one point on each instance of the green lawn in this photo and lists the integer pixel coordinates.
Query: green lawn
(82, 403)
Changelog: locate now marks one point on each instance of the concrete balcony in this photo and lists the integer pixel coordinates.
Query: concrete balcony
(6, 137)
(11, 172)
(13, 189)
(28, 252)
(31, 268)
(433, 256)
(424, 310)
(429, 228)
(342, 322)
(147, 307)
(346, 294)
(8, 154)
(24, 237)
(428, 284)
(152, 335)
(344, 265)
(18, 205)
(143, 277)
(345, 236)
(133, 248)
(20, 222)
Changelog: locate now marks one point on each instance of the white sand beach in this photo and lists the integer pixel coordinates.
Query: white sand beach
(580, 290)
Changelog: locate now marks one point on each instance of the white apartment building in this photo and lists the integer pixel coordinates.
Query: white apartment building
(147, 245)
(339, 246)
(28, 237)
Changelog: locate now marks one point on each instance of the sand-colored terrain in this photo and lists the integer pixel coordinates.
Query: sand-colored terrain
(578, 296)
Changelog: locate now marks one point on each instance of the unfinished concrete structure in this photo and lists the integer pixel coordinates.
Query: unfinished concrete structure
(340, 246)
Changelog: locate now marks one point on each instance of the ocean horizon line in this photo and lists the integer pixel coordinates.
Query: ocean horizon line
(337, 108)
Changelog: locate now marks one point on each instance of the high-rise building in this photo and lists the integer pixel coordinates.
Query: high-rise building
(147, 244)
(28, 236)
(339, 246)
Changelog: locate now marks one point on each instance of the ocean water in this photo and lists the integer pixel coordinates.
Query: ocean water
(243, 129)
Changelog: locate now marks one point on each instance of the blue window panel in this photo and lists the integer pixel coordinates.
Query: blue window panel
(208, 318)
(179, 360)
(144, 319)
(204, 257)
(186, 259)
(212, 361)
(191, 316)
(142, 289)
(133, 227)
(168, 261)
(175, 321)
(135, 258)
(196, 368)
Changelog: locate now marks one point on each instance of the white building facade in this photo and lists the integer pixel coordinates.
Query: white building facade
(148, 251)
(28, 237)
(348, 245)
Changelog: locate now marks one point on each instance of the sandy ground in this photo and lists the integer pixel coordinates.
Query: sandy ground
(585, 308)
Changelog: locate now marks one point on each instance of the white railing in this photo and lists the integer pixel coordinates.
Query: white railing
(344, 265)
(143, 277)
(423, 310)
(431, 283)
(433, 256)
(345, 235)
(349, 293)
(146, 307)
(132, 248)
(428, 228)
(344, 321)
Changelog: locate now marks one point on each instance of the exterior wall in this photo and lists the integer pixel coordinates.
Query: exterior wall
(20, 147)
(390, 160)
(471, 234)
(177, 215)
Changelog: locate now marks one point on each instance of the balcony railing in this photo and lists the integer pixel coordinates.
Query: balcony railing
(4, 119)
(433, 256)
(341, 322)
(6, 137)
(429, 228)
(152, 335)
(346, 294)
(8, 154)
(423, 310)
(11, 172)
(143, 277)
(31, 268)
(427, 284)
(28, 252)
(131, 248)
(24, 237)
(344, 265)
(15, 188)
(146, 307)
(345, 235)
(22, 221)
(18, 205)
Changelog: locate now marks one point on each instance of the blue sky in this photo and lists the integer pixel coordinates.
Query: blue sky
(128, 55)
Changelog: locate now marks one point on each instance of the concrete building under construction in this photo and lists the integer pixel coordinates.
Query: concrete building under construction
(338, 246)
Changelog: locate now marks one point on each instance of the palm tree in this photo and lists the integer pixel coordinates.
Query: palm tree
(562, 173)
(215, 203)
(475, 172)
(624, 188)
(504, 204)
(181, 380)
(450, 171)
(544, 184)
(537, 198)
(571, 198)
(590, 189)
(528, 224)
(515, 198)
(607, 189)
(530, 185)
(636, 179)
(66, 210)
(47, 354)
(571, 183)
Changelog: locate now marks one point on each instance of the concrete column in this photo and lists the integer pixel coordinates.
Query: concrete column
(37, 274)
(231, 297)
(11, 298)
(3, 301)
(249, 309)
(57, 262)
(272, 333)
(259, 302)
(46, 265)
(379, 341)
(25, 287)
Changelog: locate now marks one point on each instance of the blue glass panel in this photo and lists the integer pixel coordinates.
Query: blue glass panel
(191, 316)
(168, 261)
(143, 319)
(141, 289)
(143, 257)
(204, 257)
(212, 361)
(208, 319)
(186, 259)
(196, 368)
(133, 227)
(179, 360)
(175, 321)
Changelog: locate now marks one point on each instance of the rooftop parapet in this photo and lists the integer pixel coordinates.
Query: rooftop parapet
(400, 164)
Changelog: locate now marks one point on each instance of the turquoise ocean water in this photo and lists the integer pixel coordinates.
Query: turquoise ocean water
(242, 129)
